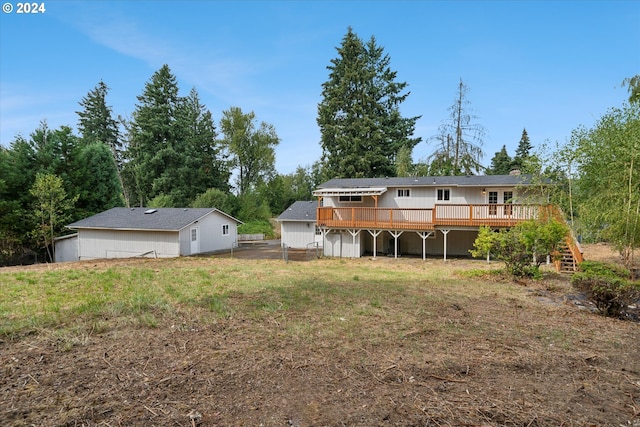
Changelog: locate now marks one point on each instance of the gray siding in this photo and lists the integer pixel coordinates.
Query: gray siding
(67, 249)
(211, 237)
(95, 244)
(341, 244)
(298, 234)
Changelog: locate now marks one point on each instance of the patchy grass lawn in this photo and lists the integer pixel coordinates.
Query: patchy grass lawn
(225, 342)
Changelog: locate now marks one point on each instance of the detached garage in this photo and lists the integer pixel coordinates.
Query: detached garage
(298, 225)
(162, 232)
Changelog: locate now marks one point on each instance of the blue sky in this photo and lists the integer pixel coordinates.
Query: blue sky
(547, 66)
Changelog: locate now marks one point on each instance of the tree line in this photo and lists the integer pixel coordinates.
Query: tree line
(172, 153)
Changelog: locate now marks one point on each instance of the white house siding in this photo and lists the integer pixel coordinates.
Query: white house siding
(66, 248)
(298, 234)
(211, 237)
(341, 244)
(94, 244)
(423, 197)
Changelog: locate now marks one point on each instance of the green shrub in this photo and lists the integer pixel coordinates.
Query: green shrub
(523, 247)
(608, 286)
(257, 227)
(605, 269)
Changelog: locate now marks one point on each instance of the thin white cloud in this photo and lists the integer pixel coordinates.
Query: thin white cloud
(22, 109)
(223, 75)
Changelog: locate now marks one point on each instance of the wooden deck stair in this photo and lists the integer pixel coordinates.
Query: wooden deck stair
(570, 250)
(567, 262)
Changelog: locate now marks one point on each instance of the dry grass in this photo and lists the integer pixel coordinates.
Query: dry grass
(227, 342)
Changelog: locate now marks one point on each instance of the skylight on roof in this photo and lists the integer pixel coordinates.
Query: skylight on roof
(150, 211)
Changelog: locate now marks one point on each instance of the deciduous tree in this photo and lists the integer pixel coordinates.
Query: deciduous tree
(252, 150)
(50, 209)
(633, 86)
(608, 190)
(523, 247)
(404, 162)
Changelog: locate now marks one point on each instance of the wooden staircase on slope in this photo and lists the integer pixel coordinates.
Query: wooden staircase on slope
(570, 256)
(570, 251)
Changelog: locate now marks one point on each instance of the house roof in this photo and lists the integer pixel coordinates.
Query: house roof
(300, 211)
(360, 191)
(160, 219)
(427, 181)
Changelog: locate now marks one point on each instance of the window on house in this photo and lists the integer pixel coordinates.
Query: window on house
(350, 198)
(194, 234)
(508, 199)
(404, 192)
(225, 229)
(493, 201)
(443, 194)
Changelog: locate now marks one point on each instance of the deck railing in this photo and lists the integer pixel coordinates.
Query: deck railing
(376, 218)
(473, 215)
(570, 240)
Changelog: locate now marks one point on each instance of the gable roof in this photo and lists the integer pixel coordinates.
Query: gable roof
(160, 219)
(300, 211)
(427, 181)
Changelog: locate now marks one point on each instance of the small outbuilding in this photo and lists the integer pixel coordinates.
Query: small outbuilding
(298, 228)
(66, 248)
(150, 232)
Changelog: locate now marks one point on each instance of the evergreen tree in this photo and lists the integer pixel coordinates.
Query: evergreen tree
(96, 125)
(360, 123)
(173, 149)
(11, 210)
(95, 122)
(523, 152)
(152, 144)
(203, 165)
(97, 184)
(459, 142)
(252, 150)
(500, 163)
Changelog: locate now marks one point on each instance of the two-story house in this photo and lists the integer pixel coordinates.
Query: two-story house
(423, 216)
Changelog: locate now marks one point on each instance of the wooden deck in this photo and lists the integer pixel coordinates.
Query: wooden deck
(493, 215)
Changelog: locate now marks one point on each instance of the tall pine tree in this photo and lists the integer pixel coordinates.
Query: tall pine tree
(153, 140)
(173, 151)
(98, 171)
(203, 165)
(95, 122)
(500, 163)
(360, 123)
(523, 152)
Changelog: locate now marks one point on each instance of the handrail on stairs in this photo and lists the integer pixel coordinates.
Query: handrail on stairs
(570, 240)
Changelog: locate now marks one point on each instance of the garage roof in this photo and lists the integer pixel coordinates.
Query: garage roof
(160, 219)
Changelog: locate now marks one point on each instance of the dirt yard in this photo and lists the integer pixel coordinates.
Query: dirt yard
(546, 362)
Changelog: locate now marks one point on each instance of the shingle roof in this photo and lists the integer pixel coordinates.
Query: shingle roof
(167, 219)
(430, 181)
(300, 211)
